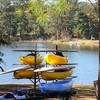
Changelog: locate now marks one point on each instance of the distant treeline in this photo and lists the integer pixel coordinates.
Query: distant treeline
(47, 19)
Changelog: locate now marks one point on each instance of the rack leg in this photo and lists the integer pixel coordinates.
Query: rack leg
(67, 98)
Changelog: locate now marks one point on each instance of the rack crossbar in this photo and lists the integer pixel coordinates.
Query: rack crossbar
(46, 50)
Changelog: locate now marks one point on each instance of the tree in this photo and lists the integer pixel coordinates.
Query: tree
(58, 17)
(46, 19)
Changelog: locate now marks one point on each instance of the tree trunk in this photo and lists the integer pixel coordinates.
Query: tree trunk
(99, 51)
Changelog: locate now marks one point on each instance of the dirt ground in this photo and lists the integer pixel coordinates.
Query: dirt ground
(83, 92)
(84, 98)
(76, 98)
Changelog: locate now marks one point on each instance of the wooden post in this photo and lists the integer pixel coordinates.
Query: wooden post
(35, 74)
(99, 50)
(98, 14)
(56, 47)
(35, 68)
(46, 62)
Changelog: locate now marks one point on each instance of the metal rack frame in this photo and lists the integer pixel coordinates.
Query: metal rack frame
(35, 66)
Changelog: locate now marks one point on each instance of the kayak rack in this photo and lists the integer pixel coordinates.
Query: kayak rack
(38, 95)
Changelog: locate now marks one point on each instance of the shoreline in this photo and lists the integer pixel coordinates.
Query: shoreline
(73, 42)
(81, 43)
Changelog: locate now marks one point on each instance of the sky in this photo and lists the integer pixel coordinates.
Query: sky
(93, 1)
(88, 0)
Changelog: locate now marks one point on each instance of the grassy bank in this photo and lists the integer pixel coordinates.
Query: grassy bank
(73, 42)
(78, 42)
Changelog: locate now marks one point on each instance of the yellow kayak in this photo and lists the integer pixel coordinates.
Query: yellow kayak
(30, 60)
(56, 75)
(24, 74)
(55, 59)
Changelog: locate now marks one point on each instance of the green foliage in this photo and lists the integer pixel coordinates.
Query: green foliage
(44, 19)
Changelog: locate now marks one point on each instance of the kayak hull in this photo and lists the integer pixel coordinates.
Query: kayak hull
(56, 75)
(30, 60)
(28, 74)
(59, 86)
(55, 59)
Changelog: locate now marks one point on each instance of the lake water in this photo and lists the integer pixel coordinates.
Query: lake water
(87, 59)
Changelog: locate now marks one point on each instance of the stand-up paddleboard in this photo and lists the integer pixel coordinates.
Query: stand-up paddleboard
(15, 69)
(53, 68)
(20, 68)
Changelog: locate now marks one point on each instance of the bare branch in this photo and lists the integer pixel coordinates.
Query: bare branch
(93, 6)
